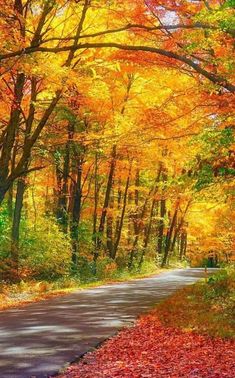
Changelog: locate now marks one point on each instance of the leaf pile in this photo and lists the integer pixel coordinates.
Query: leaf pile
(150, 349)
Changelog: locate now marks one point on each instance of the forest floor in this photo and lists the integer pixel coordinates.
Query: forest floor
(191, 334)
(25, 292)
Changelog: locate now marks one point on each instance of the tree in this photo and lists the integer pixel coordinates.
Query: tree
(124, 113)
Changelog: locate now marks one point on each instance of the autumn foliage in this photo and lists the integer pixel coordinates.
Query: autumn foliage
(116, 136)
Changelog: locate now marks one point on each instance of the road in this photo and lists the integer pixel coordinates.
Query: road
(39, 339)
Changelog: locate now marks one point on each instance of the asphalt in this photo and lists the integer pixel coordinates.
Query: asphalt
(40, 339)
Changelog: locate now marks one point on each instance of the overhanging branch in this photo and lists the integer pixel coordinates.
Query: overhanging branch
(216, 79)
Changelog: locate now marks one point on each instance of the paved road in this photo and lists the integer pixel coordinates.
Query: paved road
(39, 339)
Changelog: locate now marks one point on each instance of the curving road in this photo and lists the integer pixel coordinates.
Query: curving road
(41, 338)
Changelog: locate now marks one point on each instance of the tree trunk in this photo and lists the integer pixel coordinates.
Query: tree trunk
(147, 233)
(176, 233)
(183, 245)
(136, 215)
(63, 182)
(10, 203)
(151, 193)
(15, 234)
(109, 227)
(76, 213)
(9, 139)
(119, 231)
(106, 202)
(180, 225)
(96, 196)
(119, 201)
(161, 226)
(169, 235)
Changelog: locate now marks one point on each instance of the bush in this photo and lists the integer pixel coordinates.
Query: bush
(66, 282)
(84, 270)
(106, 268)
(5, 227)
(205, 307)
(218, 285)
(219, 293)
(45, 251)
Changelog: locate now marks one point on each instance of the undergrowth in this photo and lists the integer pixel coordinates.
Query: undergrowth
(25, 291)
(205, 307)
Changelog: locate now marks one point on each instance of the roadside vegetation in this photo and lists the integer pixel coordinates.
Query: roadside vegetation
(27, 291)
(205, 308)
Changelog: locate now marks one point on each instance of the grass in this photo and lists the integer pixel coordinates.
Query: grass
(206, 307)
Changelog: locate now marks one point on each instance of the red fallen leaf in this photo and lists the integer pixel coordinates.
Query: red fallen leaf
(151, 350)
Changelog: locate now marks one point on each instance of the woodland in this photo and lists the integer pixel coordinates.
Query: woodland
(116, 137)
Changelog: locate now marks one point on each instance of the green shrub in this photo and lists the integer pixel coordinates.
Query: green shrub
(66, 282)
(84, 270)
(5, 228)
(106, 268)
(219, 286)
(45, 251)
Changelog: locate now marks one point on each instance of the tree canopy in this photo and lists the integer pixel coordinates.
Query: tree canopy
(116, 134)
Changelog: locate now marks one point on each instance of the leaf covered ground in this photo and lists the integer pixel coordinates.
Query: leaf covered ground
(151, 350)
(191, 334)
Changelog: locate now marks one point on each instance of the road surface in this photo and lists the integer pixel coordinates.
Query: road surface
(39, 339)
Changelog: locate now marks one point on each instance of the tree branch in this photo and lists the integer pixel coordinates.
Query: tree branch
(33, 169)
(136, 26)
(216, 79)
